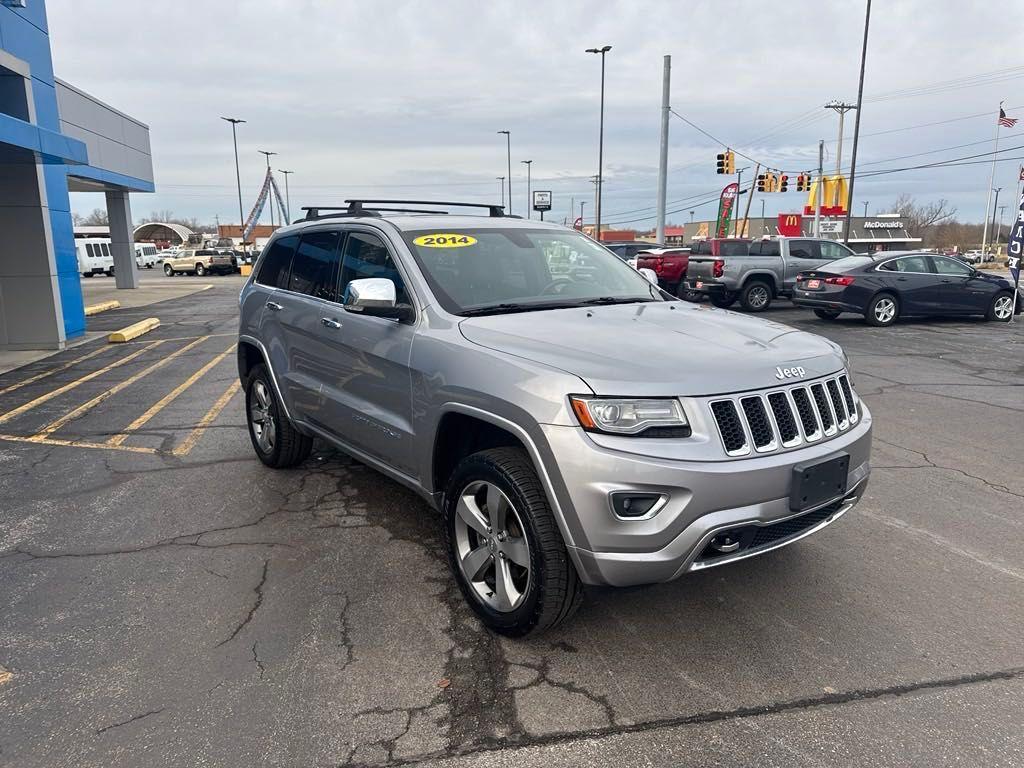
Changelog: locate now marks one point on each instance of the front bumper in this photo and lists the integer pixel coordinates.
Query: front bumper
(702, 499)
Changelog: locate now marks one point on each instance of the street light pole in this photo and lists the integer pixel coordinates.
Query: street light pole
(600, 146)
(270, 192)
(999, 226)
(287, 194)
(529, 202)
(865, 209)
(501, 186)
(995, 205)
(582, 221)
(238, 174)
(508, 146)
(856, 123)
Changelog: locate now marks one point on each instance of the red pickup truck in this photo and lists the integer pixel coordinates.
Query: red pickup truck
(669, 264)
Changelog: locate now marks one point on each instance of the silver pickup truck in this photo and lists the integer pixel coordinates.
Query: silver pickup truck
(768, 270)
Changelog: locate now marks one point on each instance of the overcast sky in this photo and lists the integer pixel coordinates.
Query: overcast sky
(399, 99)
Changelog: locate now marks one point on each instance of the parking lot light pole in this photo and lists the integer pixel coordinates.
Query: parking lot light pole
(270, 192)
(865, 209)
(529, 203)
(600, 146)
(238, 174)
(582, 222)
(508, 147)
(501, 186)
(287, 194)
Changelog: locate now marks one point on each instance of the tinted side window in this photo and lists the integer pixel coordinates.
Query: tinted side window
(764, 248)
(803, 249)
(733, 249)
(701, 248)
(832, 251)
(315, 266)
(912, 264)
(89, 249)
(277, 261)
(367, 256)
(106, 250)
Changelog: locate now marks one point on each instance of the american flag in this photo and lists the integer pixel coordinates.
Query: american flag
(1006, 122)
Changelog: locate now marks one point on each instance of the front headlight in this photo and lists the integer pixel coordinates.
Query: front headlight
(656, 417)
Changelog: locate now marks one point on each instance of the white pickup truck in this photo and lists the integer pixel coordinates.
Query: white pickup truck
(766, 271)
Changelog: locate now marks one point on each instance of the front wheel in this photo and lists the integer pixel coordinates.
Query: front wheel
(827, 314)
(723, 300)
(504, 546)
(883, 310)
(756, 296)
(1001, 309)
(168, 270)
(275, 439)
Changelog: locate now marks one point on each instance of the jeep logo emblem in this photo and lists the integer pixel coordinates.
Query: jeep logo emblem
(790, 373)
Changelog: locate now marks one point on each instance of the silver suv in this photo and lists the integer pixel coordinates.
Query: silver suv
(572, 423)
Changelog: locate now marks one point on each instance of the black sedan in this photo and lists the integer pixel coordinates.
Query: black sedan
(888, 286)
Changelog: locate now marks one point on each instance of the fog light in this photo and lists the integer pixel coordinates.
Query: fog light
(629, 505)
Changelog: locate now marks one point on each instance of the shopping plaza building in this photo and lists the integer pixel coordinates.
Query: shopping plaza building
(56, 139)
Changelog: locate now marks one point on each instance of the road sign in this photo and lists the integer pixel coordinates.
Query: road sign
(830, 227)
(541, 201)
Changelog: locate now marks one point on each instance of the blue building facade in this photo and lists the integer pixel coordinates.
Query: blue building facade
(55, 139)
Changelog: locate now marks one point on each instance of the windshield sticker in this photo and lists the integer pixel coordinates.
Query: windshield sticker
(444, 240)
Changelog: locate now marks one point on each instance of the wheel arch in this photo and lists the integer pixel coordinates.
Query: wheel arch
(250, 352)
(761, 277)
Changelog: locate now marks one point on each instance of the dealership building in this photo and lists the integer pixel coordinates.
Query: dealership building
(56, 139)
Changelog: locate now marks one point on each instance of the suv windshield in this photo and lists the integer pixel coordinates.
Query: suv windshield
(491, 271)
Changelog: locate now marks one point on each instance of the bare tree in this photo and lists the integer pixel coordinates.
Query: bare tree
(921, 218)
(98, 217)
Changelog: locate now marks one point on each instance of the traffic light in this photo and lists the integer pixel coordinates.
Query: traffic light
(761, 179)
(783, 183)
(769, 182)
(730, 162)
(721, 162)
(802, 183)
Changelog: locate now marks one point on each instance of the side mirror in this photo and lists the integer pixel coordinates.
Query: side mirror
(650, 274)
(376, 297)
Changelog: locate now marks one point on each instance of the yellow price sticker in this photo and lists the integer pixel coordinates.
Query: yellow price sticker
(444, 240)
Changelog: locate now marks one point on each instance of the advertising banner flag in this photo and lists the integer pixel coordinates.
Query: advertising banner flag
(254, 214)
(726, 206)
(1015, 251)
(285, 214)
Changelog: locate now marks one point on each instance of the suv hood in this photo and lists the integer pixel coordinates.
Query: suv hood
(658, 348)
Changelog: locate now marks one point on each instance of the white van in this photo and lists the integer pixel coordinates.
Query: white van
(146, 255)
(94, 257)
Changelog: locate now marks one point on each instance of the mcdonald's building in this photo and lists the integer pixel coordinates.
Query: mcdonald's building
(882, 232)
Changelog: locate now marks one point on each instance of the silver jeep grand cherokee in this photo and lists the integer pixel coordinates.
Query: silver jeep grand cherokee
(573, 424)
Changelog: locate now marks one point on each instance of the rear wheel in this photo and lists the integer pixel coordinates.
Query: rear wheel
(756, 296)
(504, 546)
(200, 270)
(883, 310)
(275, 439)
(827, 314)
(1001, 309)
(168, 270)
(723, 300)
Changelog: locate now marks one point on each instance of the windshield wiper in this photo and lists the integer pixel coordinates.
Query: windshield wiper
(501, 309)
(614, 300)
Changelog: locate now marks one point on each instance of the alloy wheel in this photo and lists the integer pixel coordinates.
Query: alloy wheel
(1003, 307)
(757, 297)
(260, 417)
(885, 310)
(491, 547)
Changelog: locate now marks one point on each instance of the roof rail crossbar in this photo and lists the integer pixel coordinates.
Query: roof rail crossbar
(495, 211)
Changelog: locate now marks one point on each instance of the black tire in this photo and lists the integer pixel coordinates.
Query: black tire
(878, 318)
(1002, 304)
(756, 296)
(827, 314)
(723, 300)
(87, 274)
(168, 270)
(288, 447)
(691, 296)
(109, 272)
(200, 270)
(553, 592)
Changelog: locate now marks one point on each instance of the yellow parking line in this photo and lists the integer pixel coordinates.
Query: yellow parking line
(53, 426)
(167, 399)
(76, 443)
(58, 369)
(71, 385)
(193, 437)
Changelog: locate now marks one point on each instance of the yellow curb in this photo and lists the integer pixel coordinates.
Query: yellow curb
(134, 330)
(103, 306)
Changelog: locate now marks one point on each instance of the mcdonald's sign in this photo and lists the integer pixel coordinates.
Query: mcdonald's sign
(833, 202)
(791, 224)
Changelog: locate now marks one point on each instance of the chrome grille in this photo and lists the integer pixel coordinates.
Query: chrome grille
(763, 422)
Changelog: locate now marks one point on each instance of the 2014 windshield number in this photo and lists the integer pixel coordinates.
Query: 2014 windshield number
(444, 241)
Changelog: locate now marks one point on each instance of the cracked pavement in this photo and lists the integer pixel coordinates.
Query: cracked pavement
(187, 610)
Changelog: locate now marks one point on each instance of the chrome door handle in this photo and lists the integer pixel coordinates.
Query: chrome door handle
(330, 322)
(273, 305)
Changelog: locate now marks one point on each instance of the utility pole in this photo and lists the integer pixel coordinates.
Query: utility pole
(238, 175)
(819, 191)
(582, 221)
(995, 205)
(750, 197)
(501, 184)
(508, 147)
(856, 123)
(666, 108)
(842, 109)
(287, 195)
(999, 226)
(270, 190)
(739, 190)
(529, 202)
(595, 180)
(764, 227)
(600, 147)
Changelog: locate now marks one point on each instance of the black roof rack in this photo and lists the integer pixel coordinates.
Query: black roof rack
(359, 207)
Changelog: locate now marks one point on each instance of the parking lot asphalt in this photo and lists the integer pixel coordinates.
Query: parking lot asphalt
(167, 600)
